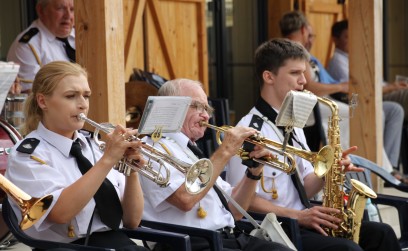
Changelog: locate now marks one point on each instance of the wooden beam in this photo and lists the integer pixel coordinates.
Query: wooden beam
(134, 23)
(365, 42)
(202, 46)
(326, 8)
(100, 49)
(163, 35)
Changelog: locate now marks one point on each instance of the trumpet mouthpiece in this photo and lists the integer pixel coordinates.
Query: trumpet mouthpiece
(81, 116)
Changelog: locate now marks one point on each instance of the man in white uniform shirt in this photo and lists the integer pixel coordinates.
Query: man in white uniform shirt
(173, 204)
(280, 65)
(42, 43)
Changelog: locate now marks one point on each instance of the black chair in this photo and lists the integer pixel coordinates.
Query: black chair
(389, 179)
(176, 240)
(213, 237)
(401, 204)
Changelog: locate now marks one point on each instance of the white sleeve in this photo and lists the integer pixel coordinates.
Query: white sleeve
(22, 54)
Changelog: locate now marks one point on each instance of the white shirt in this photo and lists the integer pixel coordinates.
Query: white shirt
(287, 194)
(60, 171)
(158, 209)
(339, 66)
(46, 46)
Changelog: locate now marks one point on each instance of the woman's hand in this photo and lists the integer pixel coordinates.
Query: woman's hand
(120, 144)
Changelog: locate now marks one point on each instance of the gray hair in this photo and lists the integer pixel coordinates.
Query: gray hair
(43, 3)
(174, 87)
(292, 22)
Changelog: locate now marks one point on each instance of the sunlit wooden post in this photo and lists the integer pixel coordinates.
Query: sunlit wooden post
(100, 49)
(365, 43)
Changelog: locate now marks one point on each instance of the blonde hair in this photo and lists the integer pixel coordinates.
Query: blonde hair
(45, 82)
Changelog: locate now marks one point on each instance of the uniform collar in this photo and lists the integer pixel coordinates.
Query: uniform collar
(61, 143)
(49, 35)
(178, 137)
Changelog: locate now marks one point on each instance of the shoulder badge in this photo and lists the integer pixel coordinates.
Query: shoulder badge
(28, 35)
(28, 145)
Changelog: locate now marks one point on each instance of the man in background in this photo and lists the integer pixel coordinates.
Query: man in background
(296, 27)
(49, 38)
(396, 92)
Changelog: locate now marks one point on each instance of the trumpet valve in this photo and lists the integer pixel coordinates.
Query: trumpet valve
(244, 155)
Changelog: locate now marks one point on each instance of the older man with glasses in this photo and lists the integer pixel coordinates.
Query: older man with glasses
(208, 209)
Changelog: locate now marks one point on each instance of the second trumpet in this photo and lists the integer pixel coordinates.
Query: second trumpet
(198, 175)
(321, 160)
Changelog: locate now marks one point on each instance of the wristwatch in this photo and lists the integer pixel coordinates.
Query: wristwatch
(251, 176)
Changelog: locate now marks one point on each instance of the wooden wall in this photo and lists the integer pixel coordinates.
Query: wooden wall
(321, 14)
(167, 37)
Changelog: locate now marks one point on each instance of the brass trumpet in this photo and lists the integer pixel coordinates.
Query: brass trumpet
(198, 175)
(31, 208)
(322, 161)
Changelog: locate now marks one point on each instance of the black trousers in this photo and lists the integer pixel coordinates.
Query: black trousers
(111, 239)
(242, 242)
(374, 236)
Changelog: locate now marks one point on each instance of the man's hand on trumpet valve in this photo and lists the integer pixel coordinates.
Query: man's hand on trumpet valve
(259, 152)
(234, 138)
(118, 146)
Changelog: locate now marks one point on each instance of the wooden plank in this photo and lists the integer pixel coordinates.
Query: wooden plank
(187, 1)
(365, 42)
(170, 39)
(100, 49)
(326, 8)
(202, 49)
(133, 11)
(135, 25)
(321, 15)
(163, 37)
(276, 9)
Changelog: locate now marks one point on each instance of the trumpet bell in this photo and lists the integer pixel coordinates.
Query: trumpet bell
(36, 208)
(324, 161)
(198, 176)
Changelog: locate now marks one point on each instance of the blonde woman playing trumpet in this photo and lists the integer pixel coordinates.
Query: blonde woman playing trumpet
(44, 163)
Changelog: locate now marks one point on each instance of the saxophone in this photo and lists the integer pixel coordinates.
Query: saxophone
(333, 191)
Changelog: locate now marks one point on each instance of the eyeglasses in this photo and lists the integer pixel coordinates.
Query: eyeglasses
(202, 107)
(312, 36)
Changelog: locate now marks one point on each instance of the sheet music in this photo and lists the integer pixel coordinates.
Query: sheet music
(8, 73)
(167, 112)
(296, 109)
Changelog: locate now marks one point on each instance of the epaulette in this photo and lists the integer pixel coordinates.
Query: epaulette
(28, 35)
(28, 145)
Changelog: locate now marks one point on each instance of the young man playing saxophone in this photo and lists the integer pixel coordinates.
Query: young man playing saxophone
(280, 65)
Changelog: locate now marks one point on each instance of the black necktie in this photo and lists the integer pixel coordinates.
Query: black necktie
(197, 152)
(106, 198)
(68, 49)
(263, 107)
